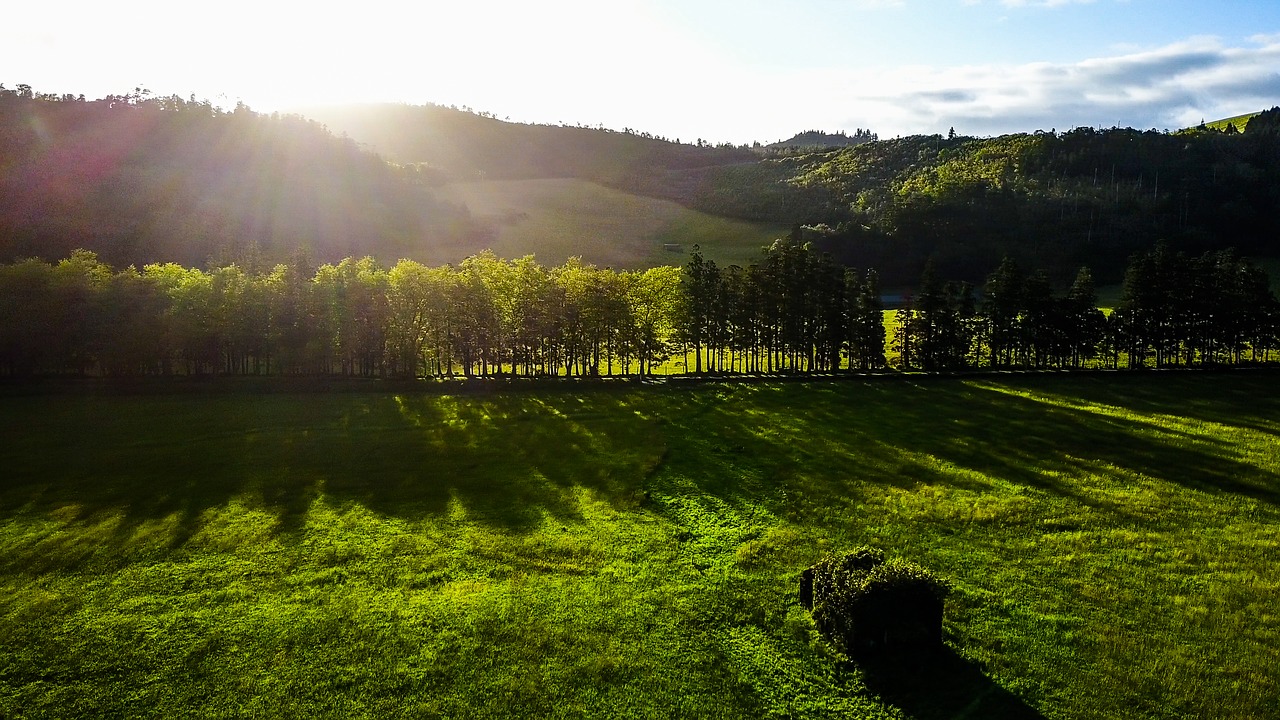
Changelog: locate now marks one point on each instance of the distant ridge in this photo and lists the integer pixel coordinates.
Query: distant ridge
(820, 139)
(458, 144)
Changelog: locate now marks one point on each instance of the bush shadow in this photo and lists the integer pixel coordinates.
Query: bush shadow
(940, 683)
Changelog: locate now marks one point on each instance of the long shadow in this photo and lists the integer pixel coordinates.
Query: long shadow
(1008, 436)
(506, 461)
(941, 684)
(510, 460)
(1240, 398)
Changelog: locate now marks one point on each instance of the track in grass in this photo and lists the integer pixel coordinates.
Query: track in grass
(633, 552)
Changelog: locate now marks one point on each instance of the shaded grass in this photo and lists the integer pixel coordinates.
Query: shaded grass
(609, 552)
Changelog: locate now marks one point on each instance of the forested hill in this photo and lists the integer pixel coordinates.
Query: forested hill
(141, 179)
(1051, 200)
(459, 144)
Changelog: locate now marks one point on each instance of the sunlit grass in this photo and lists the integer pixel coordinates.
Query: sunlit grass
(1240, 121)
(1113, 542)
(560, 218)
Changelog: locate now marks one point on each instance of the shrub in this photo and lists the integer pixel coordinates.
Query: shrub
(861, 601)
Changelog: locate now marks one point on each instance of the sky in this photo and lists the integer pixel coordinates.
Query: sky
(723, 71)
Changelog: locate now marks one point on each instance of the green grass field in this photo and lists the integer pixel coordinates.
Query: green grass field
(1240, 121)
(1113, 540)
(560, 218)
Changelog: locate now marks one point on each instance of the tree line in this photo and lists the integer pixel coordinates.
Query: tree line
(485, 317)
(1175, 310)
(793, 311)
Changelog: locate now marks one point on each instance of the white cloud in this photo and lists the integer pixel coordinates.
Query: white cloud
(623, 63)
(1034, 3)
(1043, 3)
(1168, 87)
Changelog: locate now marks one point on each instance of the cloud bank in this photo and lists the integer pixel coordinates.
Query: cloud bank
(1165, 88)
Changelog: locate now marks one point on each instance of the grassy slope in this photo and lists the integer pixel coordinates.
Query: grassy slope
(1240, 121)
(618, 552)
(555, 219)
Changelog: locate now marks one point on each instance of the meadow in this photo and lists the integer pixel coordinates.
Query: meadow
(1113, 541)
(1239, 121)
(556, 219)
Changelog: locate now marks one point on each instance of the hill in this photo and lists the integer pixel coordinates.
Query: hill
(142, 179)
(542, 188)
(448, 144)
(457, 144)
(558, 218)
(816, 139)
(1050, 200)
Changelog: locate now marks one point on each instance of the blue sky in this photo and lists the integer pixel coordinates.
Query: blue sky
(851, 33)
(723, 71)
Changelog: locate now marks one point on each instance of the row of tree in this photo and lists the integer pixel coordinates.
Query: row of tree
(1183, 310)
(1175, 309)
(796, 310)
(485, 317)
(793, 311)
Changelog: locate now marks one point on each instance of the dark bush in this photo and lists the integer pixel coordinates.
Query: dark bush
(862, 602)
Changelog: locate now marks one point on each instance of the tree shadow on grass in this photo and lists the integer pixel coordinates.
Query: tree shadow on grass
(1237, 398)
(506, 461)
(940, 684)
(997, 435)
(510, 460)
(1074, 437)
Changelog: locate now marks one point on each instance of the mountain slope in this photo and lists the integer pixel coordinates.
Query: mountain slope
(143, 180)
(612, 197)
(152, 179)
(1050, 200)
(462, 145)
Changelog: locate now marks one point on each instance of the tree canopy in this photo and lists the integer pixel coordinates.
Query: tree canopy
(793, 311)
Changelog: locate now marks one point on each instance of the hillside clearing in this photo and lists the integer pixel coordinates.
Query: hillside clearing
(559, 218)
(1241, 122)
